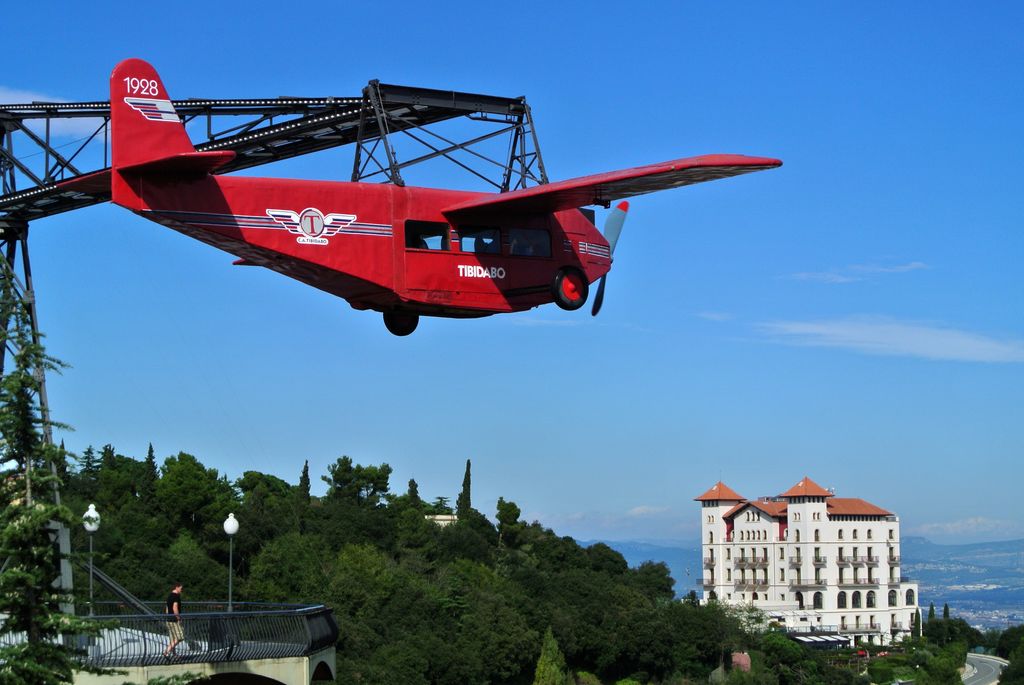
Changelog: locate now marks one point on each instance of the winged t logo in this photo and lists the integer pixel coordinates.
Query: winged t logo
(312, 226)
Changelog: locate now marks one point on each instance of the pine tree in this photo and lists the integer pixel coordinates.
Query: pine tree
(147, 484)
(32, 651)
(931, 612)
(915, 625)
(89, 473)
(414, 493)
(304, 483)
(551, 664)
(945, 611)
(464, 503)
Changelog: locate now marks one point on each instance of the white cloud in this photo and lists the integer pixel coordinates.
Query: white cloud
(645, 510)
(64, 128)
(715, 316)
(856, 272)
(895, 269)
(882, 336)
(967, 526)
(823, 277)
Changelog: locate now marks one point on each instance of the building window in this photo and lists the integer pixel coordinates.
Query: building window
(797, 538)
(840, 533)
(728, 553)
(711, 538)
(856, 599)
(711, 595)
(782, 553)
(782, 575)
(840, 600)
(892, 534)
(818, 598)
(910, 598)
(753, 597)
(869, 533)
(854, 533)
(871, 599)
(817, 535)
(728, 574)
(800, 600)
(529, 242)
(426, 235)
(485, 240)
(893, 598)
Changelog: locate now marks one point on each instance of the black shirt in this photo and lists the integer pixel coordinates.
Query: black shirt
(172, 599)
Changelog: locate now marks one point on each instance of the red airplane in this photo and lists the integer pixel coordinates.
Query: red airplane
(403, 251)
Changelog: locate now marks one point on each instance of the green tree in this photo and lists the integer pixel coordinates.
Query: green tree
(931, 612)
(945, 611)
(303, 492)
(508, 521)
(150, 475)
(1008, 641)
(551, 663)
(1014, 673)
(88, 474)
(364, 485)
(915, 625)
(31, 649)
(413, 494)
(464, 502)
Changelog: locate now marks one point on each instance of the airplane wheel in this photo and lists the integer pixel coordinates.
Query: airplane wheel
(401, 323)
(570, 289)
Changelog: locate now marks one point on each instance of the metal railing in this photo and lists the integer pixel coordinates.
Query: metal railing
(253, 632)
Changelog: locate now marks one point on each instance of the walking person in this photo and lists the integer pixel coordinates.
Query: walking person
(174, 629)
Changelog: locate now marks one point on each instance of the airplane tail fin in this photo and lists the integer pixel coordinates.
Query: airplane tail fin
(148, 137)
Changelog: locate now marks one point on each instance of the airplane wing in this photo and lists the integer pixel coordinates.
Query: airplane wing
(613, 185)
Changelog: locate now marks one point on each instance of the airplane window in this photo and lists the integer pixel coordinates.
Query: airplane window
(529, 242)
(426, 235)
(480, 239)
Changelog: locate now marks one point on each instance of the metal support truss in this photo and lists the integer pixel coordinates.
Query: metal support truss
(408, 111)
(16, 270)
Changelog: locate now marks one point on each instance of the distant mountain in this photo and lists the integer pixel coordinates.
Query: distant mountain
(981, 581)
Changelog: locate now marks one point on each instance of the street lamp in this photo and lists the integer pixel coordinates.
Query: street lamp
(91, 522)
(230, 527)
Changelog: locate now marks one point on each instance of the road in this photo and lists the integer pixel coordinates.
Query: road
(986, 669)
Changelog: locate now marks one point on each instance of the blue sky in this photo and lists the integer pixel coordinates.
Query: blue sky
(854, 316)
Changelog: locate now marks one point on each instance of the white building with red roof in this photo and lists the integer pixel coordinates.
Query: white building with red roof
(816, 563)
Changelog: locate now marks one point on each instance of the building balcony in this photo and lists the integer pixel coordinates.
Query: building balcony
(705, 583)
(844, 560)
(901, 579)
(872, 560)
(862, 628)
(808, 582)
(894, 559)
(819, 561)
(750, 584)
(896, 625)
(709, 562)
(796, 561)
(858, 581)
(858, 560)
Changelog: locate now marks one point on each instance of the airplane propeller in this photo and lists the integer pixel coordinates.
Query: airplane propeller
(612, 231)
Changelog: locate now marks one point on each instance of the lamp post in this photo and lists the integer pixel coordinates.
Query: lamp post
(230, 527)
(91, 522)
